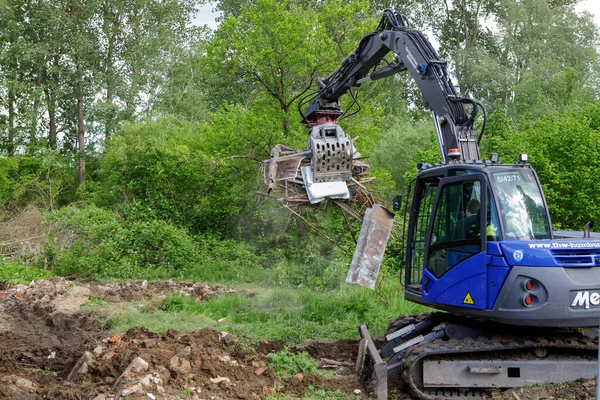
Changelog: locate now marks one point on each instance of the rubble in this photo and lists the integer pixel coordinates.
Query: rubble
(79, 359)
(82, 365)
(180, 365)
(220, 379)
(137, 365)
(297, 379)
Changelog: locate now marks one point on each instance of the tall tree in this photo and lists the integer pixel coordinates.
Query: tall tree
(280, 46)
(511, 50)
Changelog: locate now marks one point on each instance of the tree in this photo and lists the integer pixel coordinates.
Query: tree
(511, 50)
(281, 47)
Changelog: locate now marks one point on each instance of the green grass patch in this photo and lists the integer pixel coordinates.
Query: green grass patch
(314, 393)
(286, 363)
(14, 273)
(292, 315)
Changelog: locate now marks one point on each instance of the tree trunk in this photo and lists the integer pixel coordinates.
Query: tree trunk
(11, 123)
(109, 115)
(51, 104)
(109, 118)
(36, 105)
(80, 130)
(51, 119)
(286, 120)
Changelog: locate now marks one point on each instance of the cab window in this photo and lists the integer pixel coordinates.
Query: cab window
(456, 230)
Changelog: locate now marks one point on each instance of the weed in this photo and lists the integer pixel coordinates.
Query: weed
(315, 394)
(14, 273)
(287, 363)
(187, 392)
(292, 315)
(244, 346)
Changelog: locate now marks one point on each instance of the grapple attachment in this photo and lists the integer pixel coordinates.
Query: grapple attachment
(332, 152)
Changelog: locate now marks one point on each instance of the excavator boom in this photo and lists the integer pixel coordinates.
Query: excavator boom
(413, 53)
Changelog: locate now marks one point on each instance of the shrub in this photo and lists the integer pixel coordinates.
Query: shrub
(103, 246)
(12, 272)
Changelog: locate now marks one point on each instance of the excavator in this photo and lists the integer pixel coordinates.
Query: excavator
(512, 294)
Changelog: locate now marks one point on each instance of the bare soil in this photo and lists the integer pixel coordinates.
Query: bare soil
(50, 349)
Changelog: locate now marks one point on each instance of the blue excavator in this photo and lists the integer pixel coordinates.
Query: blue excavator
(513, 294)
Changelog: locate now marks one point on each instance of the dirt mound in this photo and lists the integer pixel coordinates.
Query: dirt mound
(205, 363)
(51, 349)
(342, 350)
(42, 333)
(138, 290)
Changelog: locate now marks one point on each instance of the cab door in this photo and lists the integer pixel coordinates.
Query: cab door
(455, 261)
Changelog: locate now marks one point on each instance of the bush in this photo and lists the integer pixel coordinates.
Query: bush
(227, 260)
(12, 272)
(287, 363)
(104, 247)
(159, 170)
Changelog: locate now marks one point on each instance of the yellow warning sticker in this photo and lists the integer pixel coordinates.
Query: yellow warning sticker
(468, 299)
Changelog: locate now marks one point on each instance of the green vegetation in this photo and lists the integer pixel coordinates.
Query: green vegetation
(15, 273)
(287, 363)
(315, 394)
(139, 137)
(293, 315)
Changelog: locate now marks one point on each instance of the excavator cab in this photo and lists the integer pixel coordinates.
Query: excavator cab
(456, 209)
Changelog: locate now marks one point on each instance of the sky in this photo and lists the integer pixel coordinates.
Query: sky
(206, 16)
(593, 6)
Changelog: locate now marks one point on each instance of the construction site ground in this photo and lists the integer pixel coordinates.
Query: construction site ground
(52, 349)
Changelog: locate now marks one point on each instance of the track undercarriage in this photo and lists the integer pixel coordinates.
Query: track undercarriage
(442, 355)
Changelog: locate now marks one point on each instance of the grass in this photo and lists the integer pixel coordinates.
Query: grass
(292, 315)
(314, 393)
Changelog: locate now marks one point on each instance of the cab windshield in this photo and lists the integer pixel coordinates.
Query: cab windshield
(521, 205)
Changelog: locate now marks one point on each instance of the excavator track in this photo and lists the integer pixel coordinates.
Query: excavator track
(514, 348)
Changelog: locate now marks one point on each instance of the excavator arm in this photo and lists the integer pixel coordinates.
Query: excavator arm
(413, 53)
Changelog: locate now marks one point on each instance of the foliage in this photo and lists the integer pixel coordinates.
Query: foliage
(104, 247)
(315, 393)
(399, 146)
(287, 363)
(529, 60)
(80, 68)
(564, 149)
(44, 178)
(158, 169)
(14, 273)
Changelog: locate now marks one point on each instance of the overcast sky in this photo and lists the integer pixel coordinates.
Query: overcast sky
(207, 17)
(592, 6)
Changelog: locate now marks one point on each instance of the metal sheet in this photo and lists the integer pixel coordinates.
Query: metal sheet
(320, 191)
(368, 255)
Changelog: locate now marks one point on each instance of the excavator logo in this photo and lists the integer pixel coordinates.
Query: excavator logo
(585, 299)
(468, 299)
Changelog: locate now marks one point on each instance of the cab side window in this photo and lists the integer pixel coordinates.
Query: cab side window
(456, 229)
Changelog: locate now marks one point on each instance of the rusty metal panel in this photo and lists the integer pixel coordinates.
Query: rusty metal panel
(368, 255)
